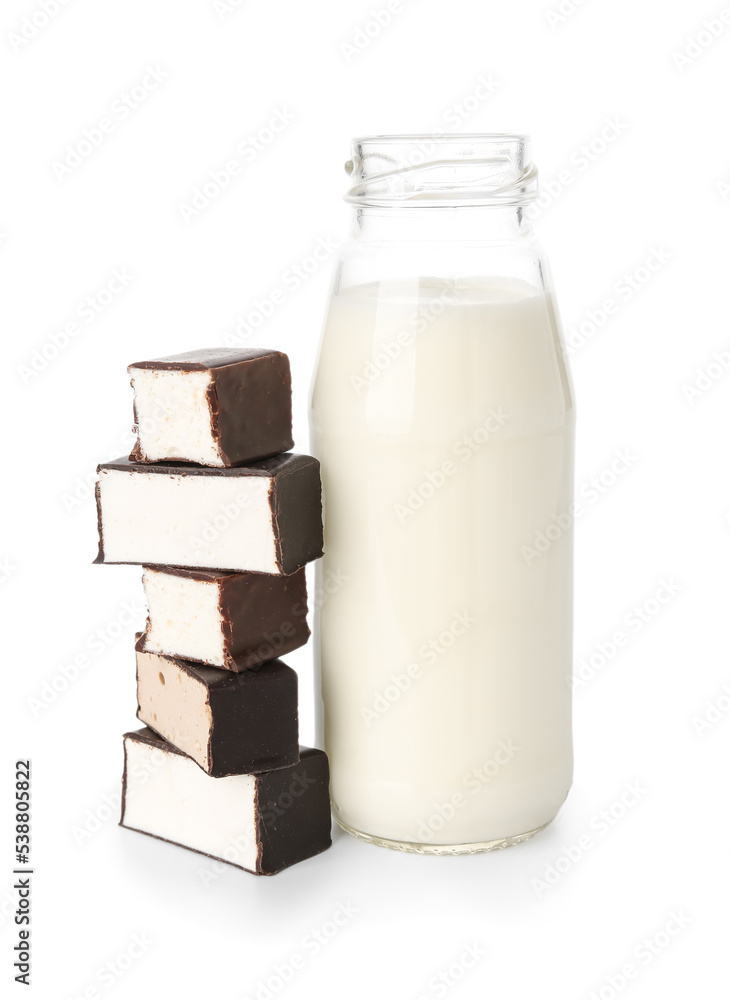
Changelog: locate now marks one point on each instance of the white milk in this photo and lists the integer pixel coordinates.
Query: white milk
(443, 418)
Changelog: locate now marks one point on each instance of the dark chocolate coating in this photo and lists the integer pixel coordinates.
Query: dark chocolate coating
(271, 467)
(297, 509)
(295, 499)
(263, 615)
(289, 827)
(255, 721)
(255, 717)
(294, 820)
(249, 400)
(205, 359)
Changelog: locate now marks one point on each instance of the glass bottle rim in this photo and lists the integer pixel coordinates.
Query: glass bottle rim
(453, 169)
(448, 137)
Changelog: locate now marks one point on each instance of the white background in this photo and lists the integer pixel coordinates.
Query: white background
(661, 184)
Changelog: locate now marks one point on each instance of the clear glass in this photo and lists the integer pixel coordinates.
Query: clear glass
(442, 413)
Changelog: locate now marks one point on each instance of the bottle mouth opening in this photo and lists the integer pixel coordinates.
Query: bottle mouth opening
(449, 170)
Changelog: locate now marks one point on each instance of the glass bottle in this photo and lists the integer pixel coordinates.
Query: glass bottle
(442, 413)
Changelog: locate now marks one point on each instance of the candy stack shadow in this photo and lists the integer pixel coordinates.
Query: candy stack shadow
(223, 519)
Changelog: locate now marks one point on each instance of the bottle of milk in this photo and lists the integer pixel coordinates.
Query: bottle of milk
(442, 413)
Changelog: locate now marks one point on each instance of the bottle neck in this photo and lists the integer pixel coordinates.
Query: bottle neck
(481, 224)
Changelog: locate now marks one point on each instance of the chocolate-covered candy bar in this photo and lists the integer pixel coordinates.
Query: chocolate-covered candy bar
(227, 723)
(263, 518)
(229, 620)
(259, 822)
(213, 407)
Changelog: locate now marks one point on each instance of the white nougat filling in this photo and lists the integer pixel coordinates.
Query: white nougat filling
(185, 617)
(175, 705)
(173, 415)
(217, 522)
(169, 796)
